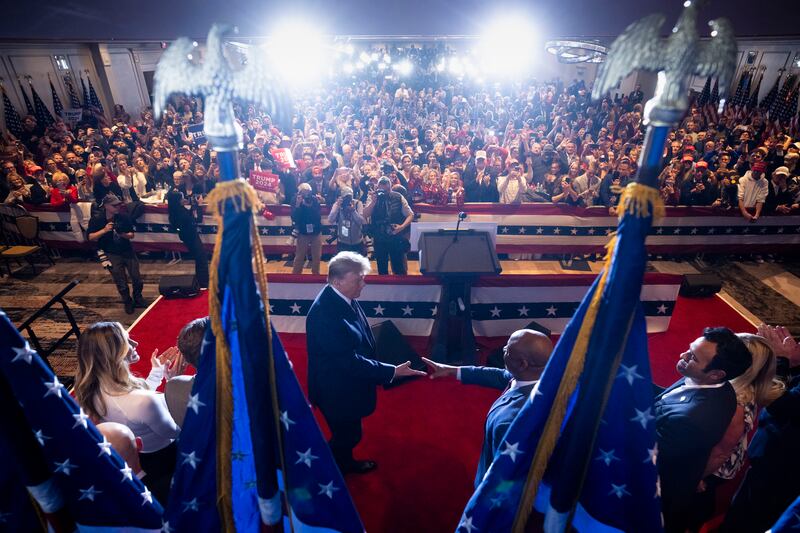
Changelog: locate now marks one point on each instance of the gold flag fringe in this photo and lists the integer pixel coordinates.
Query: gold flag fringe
(637, 200)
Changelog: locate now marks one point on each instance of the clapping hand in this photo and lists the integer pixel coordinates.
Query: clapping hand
(164, 359)
(439, 370)
(781, 342)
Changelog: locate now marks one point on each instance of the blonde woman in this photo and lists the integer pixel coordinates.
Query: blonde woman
(109, 392)
(756, 388)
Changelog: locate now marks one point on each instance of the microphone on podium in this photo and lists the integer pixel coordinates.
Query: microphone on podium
(461, 216)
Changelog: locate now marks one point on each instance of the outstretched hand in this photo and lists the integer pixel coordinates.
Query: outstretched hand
(405, 370)
(439, 370)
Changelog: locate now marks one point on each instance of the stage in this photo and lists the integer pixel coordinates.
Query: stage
(426, 435)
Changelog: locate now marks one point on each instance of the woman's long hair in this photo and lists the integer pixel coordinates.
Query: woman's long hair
(758, 383)
(103, 366)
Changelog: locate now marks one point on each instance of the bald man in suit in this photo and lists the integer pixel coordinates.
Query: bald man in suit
(525, 355)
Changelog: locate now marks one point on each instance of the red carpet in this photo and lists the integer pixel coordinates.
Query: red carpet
(426, 435)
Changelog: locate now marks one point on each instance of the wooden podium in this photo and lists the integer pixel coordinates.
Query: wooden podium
(457, 258)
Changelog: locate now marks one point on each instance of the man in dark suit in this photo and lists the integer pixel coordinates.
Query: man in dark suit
(773, 480)
(691, 417)
(525, 355)
(342, 370)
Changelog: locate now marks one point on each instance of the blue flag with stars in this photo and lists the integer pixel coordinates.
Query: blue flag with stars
(13, 122)
(582, 450)
(250, 451)
(70, 466)
(789, 520)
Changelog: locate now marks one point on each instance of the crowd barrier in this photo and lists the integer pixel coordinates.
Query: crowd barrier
(525, 228)
(500, 304)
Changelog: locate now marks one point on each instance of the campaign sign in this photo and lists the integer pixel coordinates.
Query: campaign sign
(283, 158)
(264, 181)
(73, 116)
(196, 134)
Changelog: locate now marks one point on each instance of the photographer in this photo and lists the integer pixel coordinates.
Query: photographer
(308, 225)
(347, 214)
(184, 215)
(390, 217)
(113, 232)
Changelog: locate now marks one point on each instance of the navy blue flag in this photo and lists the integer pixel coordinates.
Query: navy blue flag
(43, 115)
(86, 477)
(714, 98)
(789, 520)
(85, 94)
(93, 99)
(28, 104)
(582, 450)
(13, 122)
(249, 425)
(767, 101)
(57, 107)
(705, 94)
(74, 102)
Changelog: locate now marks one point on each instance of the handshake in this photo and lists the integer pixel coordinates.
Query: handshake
(435, 370)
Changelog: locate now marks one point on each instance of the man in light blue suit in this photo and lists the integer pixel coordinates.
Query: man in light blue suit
(525, 355)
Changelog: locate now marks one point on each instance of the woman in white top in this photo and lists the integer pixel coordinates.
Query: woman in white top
(108, 392)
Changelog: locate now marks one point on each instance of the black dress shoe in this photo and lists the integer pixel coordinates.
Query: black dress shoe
(360, 467)
(138, 301)
(128, 306)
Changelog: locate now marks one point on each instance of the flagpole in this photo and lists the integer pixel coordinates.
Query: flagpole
(662, 119)
(676, 60)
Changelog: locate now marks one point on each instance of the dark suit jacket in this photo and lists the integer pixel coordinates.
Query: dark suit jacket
(778, 438)
(502, 412)
(342, 372)
(688, 425)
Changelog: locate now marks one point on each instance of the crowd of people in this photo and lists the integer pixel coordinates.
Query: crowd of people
(373, 148)
(443, 144)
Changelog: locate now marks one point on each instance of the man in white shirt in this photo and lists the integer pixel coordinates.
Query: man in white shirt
(513, 186)
(525, 355)
(753, 191)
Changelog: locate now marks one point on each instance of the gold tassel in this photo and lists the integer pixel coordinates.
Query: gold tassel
(242, 195)
(224, 388)
(637, 199)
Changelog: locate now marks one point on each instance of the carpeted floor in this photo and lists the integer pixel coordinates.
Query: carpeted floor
(426, 435)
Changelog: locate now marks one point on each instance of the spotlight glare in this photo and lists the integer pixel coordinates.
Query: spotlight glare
(404, 68)
(387, 58)
(507, 46)
(349, 49)
(374, 56)
(300, 63)
(348, 68)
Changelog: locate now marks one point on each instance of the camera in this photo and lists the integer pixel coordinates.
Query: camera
(308, 199)
(347, 202)
(104, 260)
(380, 193)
